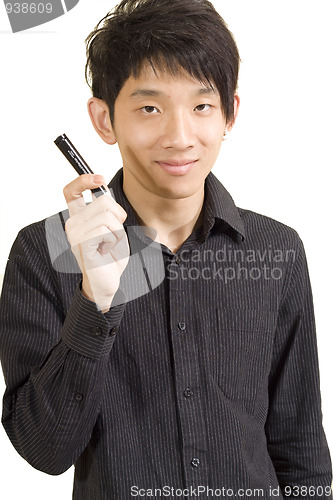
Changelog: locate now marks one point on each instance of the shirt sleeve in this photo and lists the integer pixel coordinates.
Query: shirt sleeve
(54, 364)
(295, 436)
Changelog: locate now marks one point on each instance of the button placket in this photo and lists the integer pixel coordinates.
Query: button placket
(185, 355)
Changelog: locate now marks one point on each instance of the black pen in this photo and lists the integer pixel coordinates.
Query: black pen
(76, 160)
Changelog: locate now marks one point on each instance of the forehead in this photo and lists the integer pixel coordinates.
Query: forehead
(153, 81)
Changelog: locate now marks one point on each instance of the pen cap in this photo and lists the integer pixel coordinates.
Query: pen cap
(72, 155)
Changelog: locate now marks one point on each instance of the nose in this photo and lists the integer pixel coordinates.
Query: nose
(178, 131)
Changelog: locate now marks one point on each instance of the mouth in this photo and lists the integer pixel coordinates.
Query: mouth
(177, 167)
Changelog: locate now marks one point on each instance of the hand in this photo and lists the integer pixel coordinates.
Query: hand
(97, 238)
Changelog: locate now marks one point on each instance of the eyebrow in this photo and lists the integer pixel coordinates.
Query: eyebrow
(206, 91)
(145, 93)
(154, 93)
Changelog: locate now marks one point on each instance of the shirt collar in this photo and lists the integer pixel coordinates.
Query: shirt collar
(219, 208)
(116, 185)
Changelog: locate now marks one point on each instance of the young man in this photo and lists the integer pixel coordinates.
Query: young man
(204, 382)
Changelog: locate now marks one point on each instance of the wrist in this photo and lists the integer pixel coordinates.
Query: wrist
(103, 303)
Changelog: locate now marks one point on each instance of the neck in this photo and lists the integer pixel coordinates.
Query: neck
(172, 219)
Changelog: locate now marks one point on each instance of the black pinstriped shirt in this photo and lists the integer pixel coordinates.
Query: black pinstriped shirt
(201, 381)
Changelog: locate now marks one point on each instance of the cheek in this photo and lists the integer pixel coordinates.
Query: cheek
(135, 148)
(213, 132)
(213, 140)
(139, 138)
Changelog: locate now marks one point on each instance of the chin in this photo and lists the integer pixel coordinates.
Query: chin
(175, 192)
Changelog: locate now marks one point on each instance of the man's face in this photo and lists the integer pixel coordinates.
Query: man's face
(169, 131)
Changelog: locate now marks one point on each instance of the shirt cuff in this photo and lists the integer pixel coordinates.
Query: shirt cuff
(87, 330)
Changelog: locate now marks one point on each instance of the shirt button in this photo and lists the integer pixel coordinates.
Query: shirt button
(188, 393)
(113, 331)
(181, 325)
(195, 462)
(78, 397)
(177, 260)
(98, 331)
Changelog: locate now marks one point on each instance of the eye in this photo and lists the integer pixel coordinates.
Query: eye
(149, 110)
(203, 107)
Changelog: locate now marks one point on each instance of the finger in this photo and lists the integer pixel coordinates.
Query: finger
(76, 206)
(94, 254)
(105, 248)
(121, 250)
(96, 238)
(101, 222)
(109, 248)
(73, 191)
(93, 237)
(105, 204)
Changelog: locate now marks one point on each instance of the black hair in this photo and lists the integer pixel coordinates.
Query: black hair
(169, 34)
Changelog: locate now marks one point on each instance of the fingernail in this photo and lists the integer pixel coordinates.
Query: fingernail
(98, 179)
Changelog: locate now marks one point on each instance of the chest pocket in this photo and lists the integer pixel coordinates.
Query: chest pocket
(243, 345)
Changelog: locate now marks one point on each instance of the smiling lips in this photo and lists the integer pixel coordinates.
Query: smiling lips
(177, 167)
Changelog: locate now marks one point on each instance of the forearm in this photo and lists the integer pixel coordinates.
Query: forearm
(295, 436)
(50, 416)
(298, 448)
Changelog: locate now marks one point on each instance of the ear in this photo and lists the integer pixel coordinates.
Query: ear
(236, 109)
(100, 118)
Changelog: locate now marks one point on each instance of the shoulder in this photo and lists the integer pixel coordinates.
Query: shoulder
(45, 238)
(38, 228)
(264, 229)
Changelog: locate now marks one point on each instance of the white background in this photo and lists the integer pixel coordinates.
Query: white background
(277, 161)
